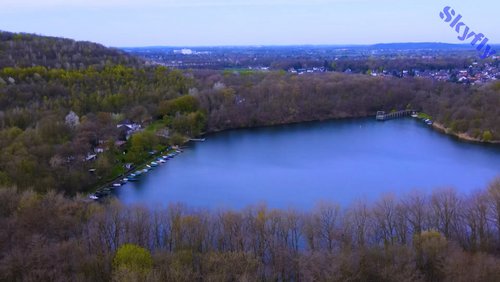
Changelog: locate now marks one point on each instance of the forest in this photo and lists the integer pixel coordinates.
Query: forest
(44, 145)
(442, 236)
(63, 109)
(258, 99)
(27, 50)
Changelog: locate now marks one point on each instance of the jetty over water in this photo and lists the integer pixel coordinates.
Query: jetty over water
(381, 115)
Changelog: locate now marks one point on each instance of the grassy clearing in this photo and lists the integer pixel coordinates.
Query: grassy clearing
(424, 116)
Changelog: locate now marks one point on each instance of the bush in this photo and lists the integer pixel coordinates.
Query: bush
(487, 136)
(133, 258)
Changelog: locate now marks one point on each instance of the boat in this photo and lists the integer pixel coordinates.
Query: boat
(153, 164)
(145, 171)
(93, 197)
(162, 161)
(125, 180)
(414, 115)
(133, 179)
(116, 185)
(429, 122)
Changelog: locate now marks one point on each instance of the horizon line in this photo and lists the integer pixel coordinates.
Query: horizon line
(292, 45)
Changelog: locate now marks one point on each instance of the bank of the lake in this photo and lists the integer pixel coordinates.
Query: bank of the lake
(462, 136)
(302, 164)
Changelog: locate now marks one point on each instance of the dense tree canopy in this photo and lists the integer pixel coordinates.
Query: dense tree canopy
(257, 99)
(443, 236)
(27, 50)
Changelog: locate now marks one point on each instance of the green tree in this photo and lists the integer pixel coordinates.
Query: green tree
(487, 136)
(191, 124)
(133, 258)
(140, 144)
(430, 247)
(183, 104)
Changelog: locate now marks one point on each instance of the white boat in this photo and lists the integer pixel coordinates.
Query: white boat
(116, 185)
(93, 197)
(414, 115)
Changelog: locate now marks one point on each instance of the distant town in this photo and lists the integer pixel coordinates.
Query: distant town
(441, 62)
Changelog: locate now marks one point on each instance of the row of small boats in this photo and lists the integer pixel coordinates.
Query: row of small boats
(133, 177)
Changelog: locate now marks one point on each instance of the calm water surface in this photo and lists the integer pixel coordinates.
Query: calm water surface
(303, 164)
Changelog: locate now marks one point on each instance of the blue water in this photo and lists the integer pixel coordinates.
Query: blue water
(303, 164)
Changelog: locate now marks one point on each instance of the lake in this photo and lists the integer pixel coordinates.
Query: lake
(302, 164)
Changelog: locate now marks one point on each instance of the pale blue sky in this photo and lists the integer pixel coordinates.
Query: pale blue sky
(247, 22)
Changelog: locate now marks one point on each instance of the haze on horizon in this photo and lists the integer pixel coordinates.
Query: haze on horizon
(129, 23)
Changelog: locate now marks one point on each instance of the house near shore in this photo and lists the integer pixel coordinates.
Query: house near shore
(127, 128)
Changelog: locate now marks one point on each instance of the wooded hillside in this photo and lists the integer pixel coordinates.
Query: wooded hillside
(27, 50)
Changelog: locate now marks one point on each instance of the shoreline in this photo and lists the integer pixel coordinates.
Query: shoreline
(436, 126)
(461, 136)
(108, 184)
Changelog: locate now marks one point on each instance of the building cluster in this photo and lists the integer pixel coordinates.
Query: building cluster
(474, 74)
(126, 129)
(307, 70)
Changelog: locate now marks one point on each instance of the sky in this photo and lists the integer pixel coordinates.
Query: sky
(132, 23)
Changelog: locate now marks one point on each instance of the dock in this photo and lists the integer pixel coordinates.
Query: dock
(382, 116)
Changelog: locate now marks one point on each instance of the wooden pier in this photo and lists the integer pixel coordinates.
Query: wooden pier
(381, 115)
